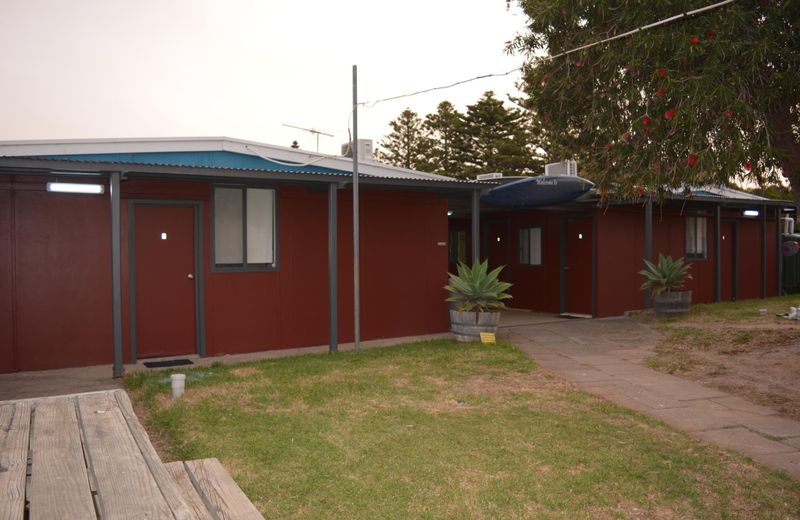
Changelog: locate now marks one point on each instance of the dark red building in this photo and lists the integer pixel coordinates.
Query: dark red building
(208, 246)
(583, 258)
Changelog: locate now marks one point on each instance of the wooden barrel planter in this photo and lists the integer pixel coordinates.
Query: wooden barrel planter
(467, 326)
(672, 303)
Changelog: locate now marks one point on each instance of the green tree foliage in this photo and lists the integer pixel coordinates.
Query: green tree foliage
(499, 139)
(698, 101)
(449, 151)
(489, 137)
(408, 145)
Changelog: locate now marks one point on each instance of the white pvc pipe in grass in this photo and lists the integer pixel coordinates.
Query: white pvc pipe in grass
(178, 384)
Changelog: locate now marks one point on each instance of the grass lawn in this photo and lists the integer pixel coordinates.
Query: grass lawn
(732, 347)
(444, 430)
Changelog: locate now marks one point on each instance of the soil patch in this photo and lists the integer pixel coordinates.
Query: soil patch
(757, 361)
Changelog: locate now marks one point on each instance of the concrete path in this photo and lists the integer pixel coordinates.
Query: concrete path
(605, 357)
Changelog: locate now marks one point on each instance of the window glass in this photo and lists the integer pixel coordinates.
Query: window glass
(696, 237)
(244, 228)
(530, 246)
(260, 211)
(228, 234)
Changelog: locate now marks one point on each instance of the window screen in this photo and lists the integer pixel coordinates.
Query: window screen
(530, 246)
(228, 223)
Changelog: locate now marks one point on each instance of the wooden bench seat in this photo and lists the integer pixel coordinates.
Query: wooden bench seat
(88, 456)
(210, 492)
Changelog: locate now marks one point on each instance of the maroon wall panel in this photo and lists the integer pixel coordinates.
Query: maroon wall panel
(727, 271)
(7, 361)
(63, 269)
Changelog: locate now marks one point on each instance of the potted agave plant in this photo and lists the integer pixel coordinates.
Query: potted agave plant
(665, 280)
(476, 297)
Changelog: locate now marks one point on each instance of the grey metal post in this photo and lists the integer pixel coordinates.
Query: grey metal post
(779, 252)
(648, 241)
(717, 256)
(476, 226)
(116, 273)
(354, 146)
(764, 252)
(333, 292)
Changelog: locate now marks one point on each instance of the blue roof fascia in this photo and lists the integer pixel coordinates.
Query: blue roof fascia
(214, 159)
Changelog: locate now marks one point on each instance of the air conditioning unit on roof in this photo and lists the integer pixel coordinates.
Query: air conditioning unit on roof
(561, 169)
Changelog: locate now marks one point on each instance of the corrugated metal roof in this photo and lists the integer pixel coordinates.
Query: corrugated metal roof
(192, 152)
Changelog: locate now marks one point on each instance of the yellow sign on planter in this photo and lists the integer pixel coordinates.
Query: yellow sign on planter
(487, 337)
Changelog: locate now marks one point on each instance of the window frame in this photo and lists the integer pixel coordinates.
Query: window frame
(245, 267)
(519, 246)
(693, 255)
(454, 241)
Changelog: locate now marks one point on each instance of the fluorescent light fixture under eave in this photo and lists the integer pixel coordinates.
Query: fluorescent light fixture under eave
(75, 187)
(750, 213)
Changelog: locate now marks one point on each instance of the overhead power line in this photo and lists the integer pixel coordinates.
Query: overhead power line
(687, 14)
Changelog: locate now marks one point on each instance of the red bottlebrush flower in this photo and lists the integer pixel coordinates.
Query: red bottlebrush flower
(710, 35)
(694, 40)
(607, 146)
(748, 166)
(691, 160)
(639, 191)
(578, 63)
(660, 91)
(729, 113)
(669, 114)
(645, 120)
(662, 72)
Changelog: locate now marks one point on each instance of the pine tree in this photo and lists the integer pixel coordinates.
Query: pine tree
(698, 101)
(449, 146)
(499, 139)
(408, 145)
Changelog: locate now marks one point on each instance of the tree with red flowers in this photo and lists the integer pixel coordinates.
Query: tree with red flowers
(706, 99)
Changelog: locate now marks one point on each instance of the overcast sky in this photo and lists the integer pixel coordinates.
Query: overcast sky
(240, 68)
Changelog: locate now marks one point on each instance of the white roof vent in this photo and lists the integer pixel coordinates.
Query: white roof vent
(489, 176)
(562, 169)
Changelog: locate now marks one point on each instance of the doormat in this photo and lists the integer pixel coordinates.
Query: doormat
(168, 363)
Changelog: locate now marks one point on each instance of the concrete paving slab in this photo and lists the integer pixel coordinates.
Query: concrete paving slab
(773, 426)
(737, 403)
(794, 442)
(788, 462)
(693, 418)
(686, 390)
(585, 375)
(745, 441)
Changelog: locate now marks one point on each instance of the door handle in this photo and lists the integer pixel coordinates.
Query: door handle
(190, 276)
(566, 268)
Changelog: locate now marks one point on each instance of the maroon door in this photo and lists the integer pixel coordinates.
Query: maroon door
(578, 266)
(165, 280)
(498, 246)
(727, 245)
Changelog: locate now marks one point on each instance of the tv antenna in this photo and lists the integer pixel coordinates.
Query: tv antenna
(311, 131)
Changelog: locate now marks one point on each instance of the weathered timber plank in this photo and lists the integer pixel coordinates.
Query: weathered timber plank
(126, 487)
(15, 427)
(171, 492)
(219, 490)
(190, 496)
(59, 482)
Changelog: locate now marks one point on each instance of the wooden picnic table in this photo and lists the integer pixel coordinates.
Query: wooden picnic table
(87, 456)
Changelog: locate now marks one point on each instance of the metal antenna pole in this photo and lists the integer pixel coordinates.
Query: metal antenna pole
(354, 146)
